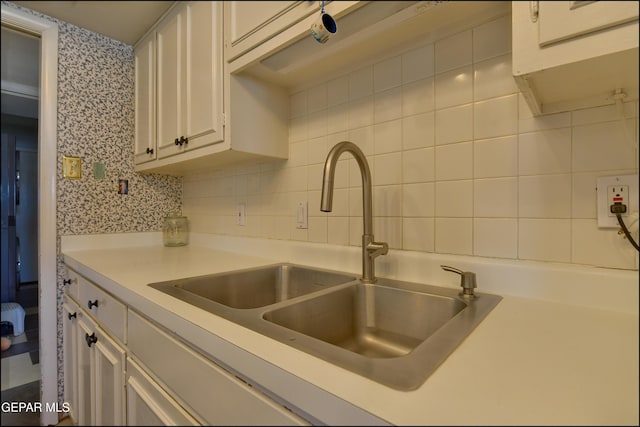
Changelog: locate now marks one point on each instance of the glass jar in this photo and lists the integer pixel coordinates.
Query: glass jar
(174, 231)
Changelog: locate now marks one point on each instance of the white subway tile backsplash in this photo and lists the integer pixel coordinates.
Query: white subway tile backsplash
(544, 239)
(338, 91)
(545, 152)
(418, 165)
(599, 246)
(418, 131)
(545, 196)
(361, 83)
(317, 98)
(418, 64)
(298, 104)
(387, 137)
(388, 169)
(387, 105)
(338, 118)
(454, 199)
(338, 230)
(454, 124)
(493, 77)
(418, 97)
(454, 236)
(494, 237)
(418, 200)
(603, 146)
(454, 52)
(459, 164)
(418, 234)
(387, 74)
(496, 157)
(361, 112)
(496, 117)
(492, 39)
(495, 198)
(454, 87)
(454, 161)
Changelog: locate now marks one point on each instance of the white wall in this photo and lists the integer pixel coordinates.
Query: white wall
(459, 164)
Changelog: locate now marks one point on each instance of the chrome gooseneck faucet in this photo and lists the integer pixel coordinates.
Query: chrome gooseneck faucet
(370, 248)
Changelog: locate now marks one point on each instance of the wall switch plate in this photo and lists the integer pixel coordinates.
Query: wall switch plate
(612, 189)
(241, 217)
(302, 212)
(71, 167)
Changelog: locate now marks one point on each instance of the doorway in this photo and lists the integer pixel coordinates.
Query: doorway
(47, 31)
(20, 285)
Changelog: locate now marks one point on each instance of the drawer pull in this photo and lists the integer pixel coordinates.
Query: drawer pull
(66, 282)
(71, 316)
(92, 304)
(91, 339)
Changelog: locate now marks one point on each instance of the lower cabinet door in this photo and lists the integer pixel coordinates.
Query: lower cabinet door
(100, 376)
(148, 404)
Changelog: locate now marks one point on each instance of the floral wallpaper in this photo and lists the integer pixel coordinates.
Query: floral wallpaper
(96, 123)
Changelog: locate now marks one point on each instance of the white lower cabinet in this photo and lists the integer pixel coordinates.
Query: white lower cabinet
(148, 404)
(142, 375)
(211, 394)
(94, 367)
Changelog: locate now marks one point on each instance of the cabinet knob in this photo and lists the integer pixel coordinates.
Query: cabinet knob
(72, 315)
(177, 141)
(149, 150)
(66, 282)
(91, 339)
(184, 140)
(92, 304)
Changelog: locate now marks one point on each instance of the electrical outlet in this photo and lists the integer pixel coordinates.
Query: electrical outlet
(616, 189)
(618, 194)
(241, 217)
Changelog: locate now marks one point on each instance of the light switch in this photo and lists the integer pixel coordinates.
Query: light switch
(302, 215)
(71, 167)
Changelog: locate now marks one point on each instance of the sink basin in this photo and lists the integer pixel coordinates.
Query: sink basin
(393, 332)
(371, 320)
(252, 288)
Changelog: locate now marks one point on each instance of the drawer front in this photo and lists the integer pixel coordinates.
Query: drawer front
(211, 392)
(109, 312)
(70, 282)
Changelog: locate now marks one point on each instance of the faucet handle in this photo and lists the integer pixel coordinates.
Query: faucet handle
(467, 280)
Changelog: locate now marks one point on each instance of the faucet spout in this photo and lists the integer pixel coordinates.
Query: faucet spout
(370, 248)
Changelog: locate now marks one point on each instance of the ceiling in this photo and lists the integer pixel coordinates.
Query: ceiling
(126, 21)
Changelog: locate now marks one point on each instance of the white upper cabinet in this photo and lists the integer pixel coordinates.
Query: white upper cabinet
(145, 100)
(249, 23)
(190, 78)
(575, 54)
(185, 121)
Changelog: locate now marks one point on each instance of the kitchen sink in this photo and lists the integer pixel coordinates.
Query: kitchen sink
(372, 320)
(394, 332)
(252, 288)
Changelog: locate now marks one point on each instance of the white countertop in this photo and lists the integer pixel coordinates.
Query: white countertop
(531, 361)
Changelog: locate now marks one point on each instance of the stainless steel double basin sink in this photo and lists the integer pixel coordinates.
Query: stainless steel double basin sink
(393, 332)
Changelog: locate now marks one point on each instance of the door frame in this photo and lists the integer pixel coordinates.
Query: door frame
(47, 231)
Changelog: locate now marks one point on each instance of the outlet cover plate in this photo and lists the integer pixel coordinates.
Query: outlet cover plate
(605, 218)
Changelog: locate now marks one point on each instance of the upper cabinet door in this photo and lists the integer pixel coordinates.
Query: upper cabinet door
(145, 100)
(170, 72)
(561, 20)
(204, 74)
(189, 73)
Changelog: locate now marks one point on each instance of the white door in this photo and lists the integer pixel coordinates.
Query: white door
(145, 100)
